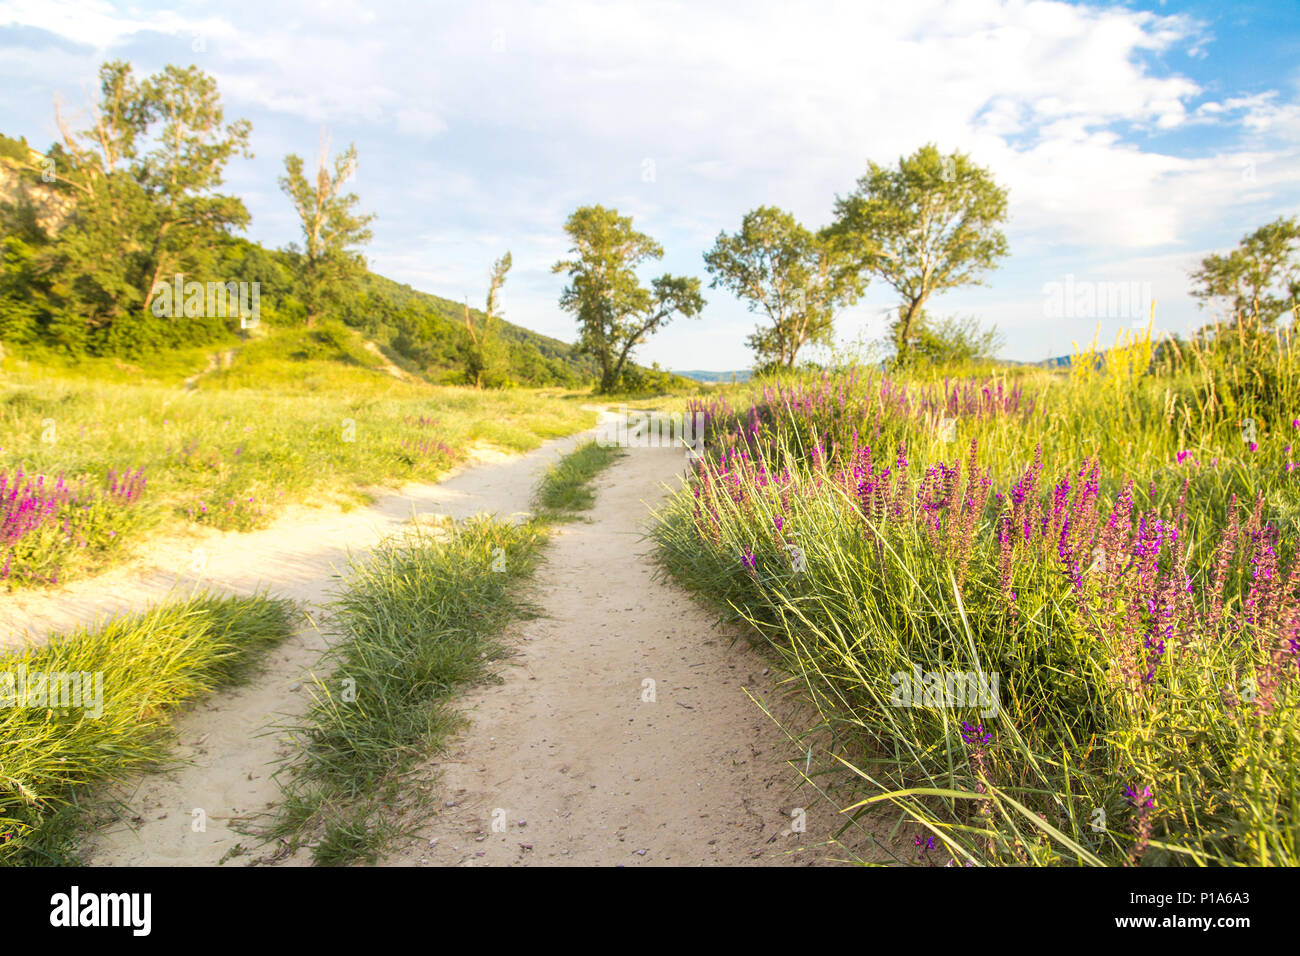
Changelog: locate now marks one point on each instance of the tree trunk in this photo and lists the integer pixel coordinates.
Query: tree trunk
(907, 314)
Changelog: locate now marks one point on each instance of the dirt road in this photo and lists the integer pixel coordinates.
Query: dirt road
(623, 733)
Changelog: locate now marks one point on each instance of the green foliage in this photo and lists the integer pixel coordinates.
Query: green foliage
(131, 202)
(615, 312)
(303, 415)
(14, 149)
(488, 359)
(329, 265)
(147, 667)
(1259, 281)
(951, 341)
(1212, 733)
(566, 487)
(928, 225)
(796, 278)
(96, 223)
(419, 619)
(1240, 372)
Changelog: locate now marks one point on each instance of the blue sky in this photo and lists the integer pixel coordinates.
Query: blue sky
(1133, 137)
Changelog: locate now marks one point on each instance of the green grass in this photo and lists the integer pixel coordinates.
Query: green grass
(146, 667)
(293, 420)
(418, 619)
(872, 597)
(565, 488)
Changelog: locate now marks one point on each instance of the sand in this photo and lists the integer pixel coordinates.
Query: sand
(568, 760)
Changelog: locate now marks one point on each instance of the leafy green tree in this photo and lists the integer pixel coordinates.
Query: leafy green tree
(794, 277)
(954, 340)
(488, 356)
(1259, 281)
(179, 173)
(329, 266)
(926, 226)
(124, 218)
(615, 312)
(1248, 373)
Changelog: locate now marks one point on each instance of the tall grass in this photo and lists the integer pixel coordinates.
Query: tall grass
(418, 619)
(144, 668)
(1140, 619)
(233, 452)
(565, 488)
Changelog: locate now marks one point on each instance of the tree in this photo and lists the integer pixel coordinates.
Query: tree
(954, 340)
(615, 312)
(927, 226)
(192, 149)
(487, 354)
(120, 219)
(794, 277)
(1259, 280)
(328, 263)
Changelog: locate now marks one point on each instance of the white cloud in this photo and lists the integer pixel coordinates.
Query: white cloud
(497, 119)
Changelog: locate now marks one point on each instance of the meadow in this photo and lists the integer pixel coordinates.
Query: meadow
(416, 620)
(97, 455)
(1045, 618)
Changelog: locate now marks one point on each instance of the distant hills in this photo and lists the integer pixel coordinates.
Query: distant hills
(700, 375)
(423, 334)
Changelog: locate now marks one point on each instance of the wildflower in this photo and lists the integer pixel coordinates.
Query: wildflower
(974, 735)
(1144, 803)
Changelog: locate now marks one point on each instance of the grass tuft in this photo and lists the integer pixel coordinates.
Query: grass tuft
(566, 486)
(418, 619)
(138, 671)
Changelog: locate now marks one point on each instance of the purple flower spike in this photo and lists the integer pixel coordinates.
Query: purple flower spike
(974, 735)
(1145, 799)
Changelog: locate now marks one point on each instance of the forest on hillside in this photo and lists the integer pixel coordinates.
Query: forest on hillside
(92, 225)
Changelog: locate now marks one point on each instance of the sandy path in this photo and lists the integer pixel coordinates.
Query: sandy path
(295, 556)
(572, 764)
(225, 736)
(565, 744)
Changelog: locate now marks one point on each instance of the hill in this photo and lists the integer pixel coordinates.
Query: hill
(700, 375)
(45, 307)
(426, 333)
